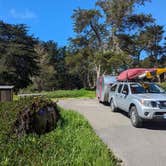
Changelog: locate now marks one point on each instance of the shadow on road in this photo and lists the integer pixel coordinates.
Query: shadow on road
(151, 125)
(154, 125)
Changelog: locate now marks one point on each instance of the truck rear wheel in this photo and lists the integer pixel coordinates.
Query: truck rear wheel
(134, 117)
(99, 100)
(112, 105)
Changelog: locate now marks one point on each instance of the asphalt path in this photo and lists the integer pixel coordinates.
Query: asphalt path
(136, 147)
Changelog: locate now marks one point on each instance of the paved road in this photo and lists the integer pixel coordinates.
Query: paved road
(136, 147)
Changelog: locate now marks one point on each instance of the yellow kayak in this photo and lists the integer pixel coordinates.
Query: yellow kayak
(157, 72)
(161, 71)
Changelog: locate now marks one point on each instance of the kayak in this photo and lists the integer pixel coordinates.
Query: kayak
(161, 71)
(156, 72)
(139, 73)
(131, 74)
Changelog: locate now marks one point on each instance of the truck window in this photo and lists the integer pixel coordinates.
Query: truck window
(153, 88)
(137, 88)
(125, 89)
(113, 88)
(120, 88)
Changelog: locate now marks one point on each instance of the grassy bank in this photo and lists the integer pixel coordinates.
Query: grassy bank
(71, 94)
(82, 93)
(72, 143)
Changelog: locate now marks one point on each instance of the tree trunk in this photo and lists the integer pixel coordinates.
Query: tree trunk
(84, 81)
(97, 34)
(89, 81)
(98, 70)
(94, 80)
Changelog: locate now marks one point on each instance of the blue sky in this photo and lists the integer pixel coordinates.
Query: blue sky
(51, 19)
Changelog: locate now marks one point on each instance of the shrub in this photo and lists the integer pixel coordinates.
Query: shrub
(40, 116)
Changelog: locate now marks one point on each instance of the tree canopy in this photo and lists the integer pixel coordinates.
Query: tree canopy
(109, 38)
(18, 59)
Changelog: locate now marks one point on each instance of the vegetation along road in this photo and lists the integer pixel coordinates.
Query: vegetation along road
(145, 146)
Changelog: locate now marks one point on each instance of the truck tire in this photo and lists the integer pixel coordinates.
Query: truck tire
(112, 105)
(136, 121)
(99, 100)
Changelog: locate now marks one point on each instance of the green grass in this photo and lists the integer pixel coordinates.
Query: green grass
(71, 94)
(72, 143)
(82, 93)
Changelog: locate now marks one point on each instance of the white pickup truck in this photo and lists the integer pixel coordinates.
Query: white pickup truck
(142, 101)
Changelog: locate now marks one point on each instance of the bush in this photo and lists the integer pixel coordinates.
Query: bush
(40, 116)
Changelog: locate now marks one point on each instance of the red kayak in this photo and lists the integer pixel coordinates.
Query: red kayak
(133, 73)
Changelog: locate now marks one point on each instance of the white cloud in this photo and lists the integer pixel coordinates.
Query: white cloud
(26, 14)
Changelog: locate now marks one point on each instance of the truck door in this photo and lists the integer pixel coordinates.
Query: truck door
(118, 96)
(124, 97)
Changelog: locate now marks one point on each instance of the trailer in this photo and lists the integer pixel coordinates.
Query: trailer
(103, 85)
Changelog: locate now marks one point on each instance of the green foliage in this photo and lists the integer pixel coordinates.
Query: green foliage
(80, 63)
(71, 94)
(24, 60)
(54, 73)
(18, 60)
(154, 36)
(92, 34)
(109, 38)
(148, 62)
(65, 93)
(85, 18)
(114, 40)
(119, 11)
(118, 61)
(29, 89)
(46, 51)
(72, 143)
(162, 60)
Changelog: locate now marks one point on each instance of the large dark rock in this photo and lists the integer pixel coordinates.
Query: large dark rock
(40, 116)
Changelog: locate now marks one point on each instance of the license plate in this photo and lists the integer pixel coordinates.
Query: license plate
(164, 116)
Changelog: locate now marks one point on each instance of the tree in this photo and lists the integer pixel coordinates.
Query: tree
(162, 61)
(45, 52)
(80, 61)
(117, 14)
(18, 59)
(86, 21)
(112, 41)
(63, 78)
(88, 25)
(125, 26)
(154, 35)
